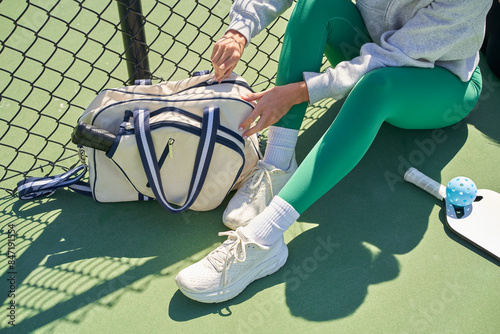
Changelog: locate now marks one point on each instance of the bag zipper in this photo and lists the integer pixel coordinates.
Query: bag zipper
(168, 152)
(211, 83)
(201, 84)
(170, 145)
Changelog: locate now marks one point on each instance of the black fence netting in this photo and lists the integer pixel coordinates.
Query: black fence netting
(57, 55)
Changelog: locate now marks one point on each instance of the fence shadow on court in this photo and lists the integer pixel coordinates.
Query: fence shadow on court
(77, 256)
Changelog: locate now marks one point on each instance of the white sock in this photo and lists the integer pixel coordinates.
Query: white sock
(280, 147)
(267, 227)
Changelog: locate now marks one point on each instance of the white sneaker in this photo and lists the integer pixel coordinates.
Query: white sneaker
(262, 183)
(230, 268)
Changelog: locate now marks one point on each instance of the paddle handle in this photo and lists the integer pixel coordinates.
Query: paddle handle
(424, 182)
(90, 136)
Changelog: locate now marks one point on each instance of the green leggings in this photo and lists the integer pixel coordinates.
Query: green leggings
(406, 97)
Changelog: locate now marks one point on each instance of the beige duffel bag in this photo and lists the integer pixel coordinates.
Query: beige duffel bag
(177, 142)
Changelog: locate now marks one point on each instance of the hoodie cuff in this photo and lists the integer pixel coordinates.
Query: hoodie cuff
(318, 86)
(243, 26)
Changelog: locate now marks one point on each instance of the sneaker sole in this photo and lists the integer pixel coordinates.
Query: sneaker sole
(236, 288)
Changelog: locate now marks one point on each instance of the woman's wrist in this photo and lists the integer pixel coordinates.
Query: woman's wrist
(237, 37)
(303, 94)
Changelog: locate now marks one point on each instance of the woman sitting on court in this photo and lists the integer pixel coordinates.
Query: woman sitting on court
(410, 63)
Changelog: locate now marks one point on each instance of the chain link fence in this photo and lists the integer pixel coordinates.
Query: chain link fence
(57, 55)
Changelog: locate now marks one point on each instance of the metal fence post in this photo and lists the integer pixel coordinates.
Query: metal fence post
(134, 39)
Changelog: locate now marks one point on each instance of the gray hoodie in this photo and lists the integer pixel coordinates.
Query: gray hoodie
(417, 33)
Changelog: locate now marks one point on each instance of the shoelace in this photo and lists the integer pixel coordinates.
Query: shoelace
(220, 257)
(258, 174)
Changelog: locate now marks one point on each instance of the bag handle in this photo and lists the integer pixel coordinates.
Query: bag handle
(210, 125)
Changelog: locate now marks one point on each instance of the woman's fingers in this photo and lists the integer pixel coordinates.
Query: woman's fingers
(272, 106)
(224, 62)
(253, 98)
(261, 125)
(226, 53)
(226, 73)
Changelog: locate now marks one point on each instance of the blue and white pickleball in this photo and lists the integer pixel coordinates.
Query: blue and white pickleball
(461, 191)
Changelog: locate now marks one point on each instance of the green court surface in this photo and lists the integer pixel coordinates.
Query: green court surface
(372, 256)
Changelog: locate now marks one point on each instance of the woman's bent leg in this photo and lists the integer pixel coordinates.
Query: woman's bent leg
(406, 97)
(316, 27)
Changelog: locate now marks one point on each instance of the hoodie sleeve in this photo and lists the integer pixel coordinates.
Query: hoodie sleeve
(446, 32)
(249, 17)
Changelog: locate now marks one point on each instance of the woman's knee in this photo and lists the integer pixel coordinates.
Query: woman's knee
(380, 79)
(375, 88)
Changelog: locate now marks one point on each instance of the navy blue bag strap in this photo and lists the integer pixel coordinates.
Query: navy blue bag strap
(33, 187)
(210, 124)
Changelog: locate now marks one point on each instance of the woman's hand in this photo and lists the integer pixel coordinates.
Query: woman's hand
(226, 53)
(273, 104)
